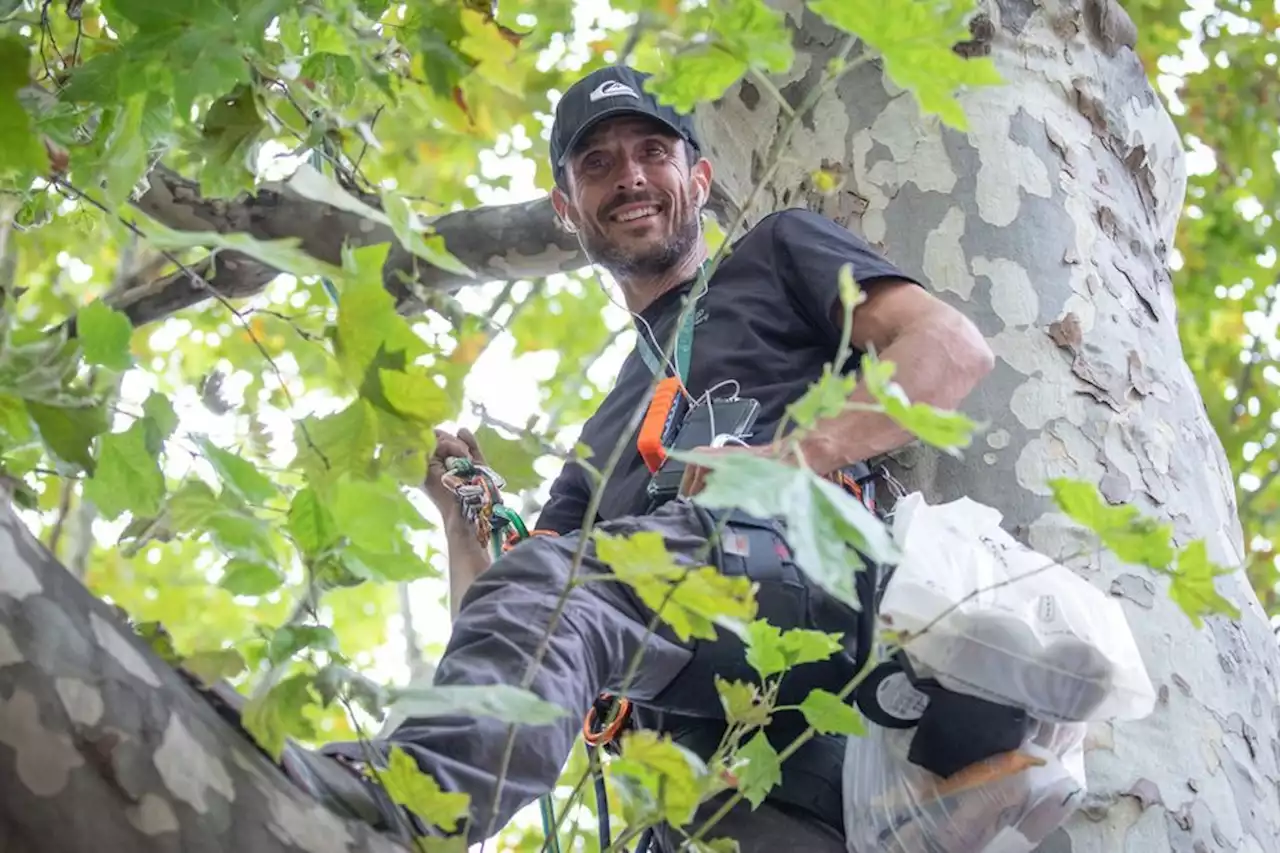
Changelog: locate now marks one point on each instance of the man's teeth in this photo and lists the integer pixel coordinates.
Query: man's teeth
(636, 214)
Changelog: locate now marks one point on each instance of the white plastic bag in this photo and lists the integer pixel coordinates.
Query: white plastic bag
(1006, 804)
(1005, 623)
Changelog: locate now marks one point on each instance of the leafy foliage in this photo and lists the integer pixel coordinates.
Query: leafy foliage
(241, 477)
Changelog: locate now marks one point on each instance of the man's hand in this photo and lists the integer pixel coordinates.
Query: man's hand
(695, 476)
(449, 446)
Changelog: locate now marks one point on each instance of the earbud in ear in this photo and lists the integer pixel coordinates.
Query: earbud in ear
(569, 226)
(699, 196)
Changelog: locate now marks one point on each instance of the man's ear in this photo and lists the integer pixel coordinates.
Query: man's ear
(560, 202)
(700, 173)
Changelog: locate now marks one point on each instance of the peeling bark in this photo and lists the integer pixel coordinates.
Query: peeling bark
(1049, 223)
(103, 747)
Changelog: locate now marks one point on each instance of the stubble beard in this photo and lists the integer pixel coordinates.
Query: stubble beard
(655, 259)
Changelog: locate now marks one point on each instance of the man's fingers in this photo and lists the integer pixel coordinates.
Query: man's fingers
(473, 447)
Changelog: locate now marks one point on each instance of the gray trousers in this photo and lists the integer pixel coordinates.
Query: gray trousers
(504, 617)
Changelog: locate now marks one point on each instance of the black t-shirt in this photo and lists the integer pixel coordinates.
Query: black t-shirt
(765, 321)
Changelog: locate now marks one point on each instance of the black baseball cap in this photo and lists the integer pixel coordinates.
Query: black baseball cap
(610, 91)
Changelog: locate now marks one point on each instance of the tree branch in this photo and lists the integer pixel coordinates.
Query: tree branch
(498, 242)
(102, 746)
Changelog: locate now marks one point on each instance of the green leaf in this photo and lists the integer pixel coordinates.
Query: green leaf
(691, 599)
(829, 715)
(367, 318)
(826, 398)
(15, 422)
(283, 254)
(213, 666)
(230, 133)
(241, 577)
(239, 474)
(128, 476)
(124, 153)
(287, 640)
(762, 771)
(742, 703)
(1192, 588)
(661, 779)
(20, 150)
(944, 429)
(1131, 536)
(400, 565)
(310, 522)
(370, 513)
(409, 786)
(499, 701)
(281, 714)
(160, 418)
(68, 432)
(105, 334)
(511, 458)
(700, 74)
(915, 39)
(344, 444)
(430, 248)
(824, 523)
(770, 651)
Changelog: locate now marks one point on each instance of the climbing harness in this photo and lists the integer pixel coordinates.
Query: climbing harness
(500, 528)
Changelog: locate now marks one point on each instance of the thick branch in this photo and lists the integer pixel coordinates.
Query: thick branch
(103, 747)
(499, 242)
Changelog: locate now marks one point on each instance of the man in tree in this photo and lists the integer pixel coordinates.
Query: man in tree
(631, 182)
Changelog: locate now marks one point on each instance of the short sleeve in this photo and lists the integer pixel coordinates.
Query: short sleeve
(568, 501)
(811, 250)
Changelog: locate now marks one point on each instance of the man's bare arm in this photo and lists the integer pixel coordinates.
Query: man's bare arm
(939, 358)
(467, 559)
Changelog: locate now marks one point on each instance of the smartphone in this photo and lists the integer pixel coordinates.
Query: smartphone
(733, 417)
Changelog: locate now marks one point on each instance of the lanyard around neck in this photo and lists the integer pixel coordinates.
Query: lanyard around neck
(653, 357)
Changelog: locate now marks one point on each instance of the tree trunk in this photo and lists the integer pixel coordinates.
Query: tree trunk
(105, 748)
(1049, 223)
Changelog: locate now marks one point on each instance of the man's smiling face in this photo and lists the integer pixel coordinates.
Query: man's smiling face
(634, 196)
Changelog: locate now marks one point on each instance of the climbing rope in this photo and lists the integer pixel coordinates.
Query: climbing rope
(500, 528)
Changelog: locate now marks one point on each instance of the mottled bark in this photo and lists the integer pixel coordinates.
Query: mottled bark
(1050, 224)
(104, 748)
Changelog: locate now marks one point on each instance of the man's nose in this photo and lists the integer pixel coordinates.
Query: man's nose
(630, 174)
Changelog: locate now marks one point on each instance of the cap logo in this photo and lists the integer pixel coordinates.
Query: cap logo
(612, 89)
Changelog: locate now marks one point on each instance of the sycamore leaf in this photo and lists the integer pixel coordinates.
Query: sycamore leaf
(699, 74)
(231, 129)
(742, 702)
(104, 335)
(287, 640)
(762, 770)
(659, 778)
(499, 701)
(430, 248)
(691, 599)
(826, 713)
(310, 522)
(280, 714)
(239, 474)
(915, 39)
(215, 665)
(371, 512)
(418, 792)
(1192, 587)
(160, 418)
(344, 444)
(285, 255)
(242, 577)
(771, 651)
(1122, 529)
(20, 150)
(68, 432)
(826, 398)
(941, 428)
(824, 523)
(128, 476)
(512, 458)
